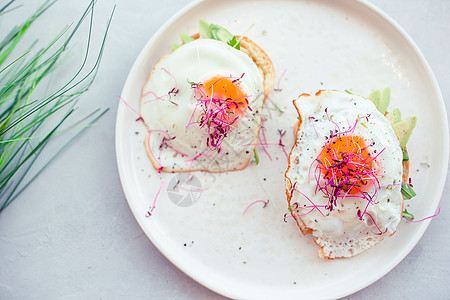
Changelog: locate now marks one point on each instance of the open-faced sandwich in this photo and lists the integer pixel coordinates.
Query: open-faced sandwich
(348, 170)
(202, 102)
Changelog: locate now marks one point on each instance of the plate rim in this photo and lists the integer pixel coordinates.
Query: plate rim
(172, 255)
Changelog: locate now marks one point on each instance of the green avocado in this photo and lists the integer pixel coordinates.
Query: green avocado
(204, 29)
(384, 100)
(404, 128)
(394, 116)
(185, 38)
(375, 98)
(219, 33)
(381, 99)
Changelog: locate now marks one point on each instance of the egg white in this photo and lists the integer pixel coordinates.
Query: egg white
(171, 115)
(341, 233)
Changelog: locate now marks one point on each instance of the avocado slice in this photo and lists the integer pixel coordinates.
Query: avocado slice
(381, 99)
(375, 98)
(404, 128)
(175, 47)
(394, 116)
(384, 100)
(204, 29)
(185, 38)
(219, 33)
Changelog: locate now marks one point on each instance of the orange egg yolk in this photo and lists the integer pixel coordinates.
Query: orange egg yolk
(348, 164)
(226, 93)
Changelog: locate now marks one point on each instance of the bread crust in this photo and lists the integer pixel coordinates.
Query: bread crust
(303, 228)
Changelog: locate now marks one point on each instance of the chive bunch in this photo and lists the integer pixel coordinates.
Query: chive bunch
(30, 120)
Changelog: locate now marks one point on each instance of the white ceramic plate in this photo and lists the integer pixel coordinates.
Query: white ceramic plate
(319, 45)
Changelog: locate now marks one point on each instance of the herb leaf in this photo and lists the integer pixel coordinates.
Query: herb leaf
(234, 43)
(407, 191)
(405, 155)
(407, 215)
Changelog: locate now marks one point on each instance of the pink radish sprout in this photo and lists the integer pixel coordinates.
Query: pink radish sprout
(261, 144)
(421, 220)
(164, 144)
(312, 119)
(192, 190)
(251, 204)
(286, 215)
(373, 220)
(262, 137)
(149, 213)
(166, 97)
(344, 169)
(131, 108)
(217, 115)
(278, 89)
(176, 84)
(280, 142)
(312, 203)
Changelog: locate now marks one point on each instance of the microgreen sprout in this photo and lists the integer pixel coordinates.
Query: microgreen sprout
(255, 154)
(128, 105)
(166, 97)
(262, 137)
(238, 80)
(195, 189)
(193, 84)
(266, 202)
(314, 206)
(174, 91)
(373, 221)
(234, 43)
(312, 119)
(217, 115)
(408, 216)
(407, 191)
(237, 43)
(278, 108)
(348, 171)
(149, 213)
(278, 88)
(165, 143)
(345, 168)
(293, 207)
(294, 210)
(280, 142)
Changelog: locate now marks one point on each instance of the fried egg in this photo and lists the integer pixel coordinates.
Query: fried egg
(343, 182)
(202, 105)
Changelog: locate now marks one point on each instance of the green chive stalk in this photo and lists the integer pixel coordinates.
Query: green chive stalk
(28, 120)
